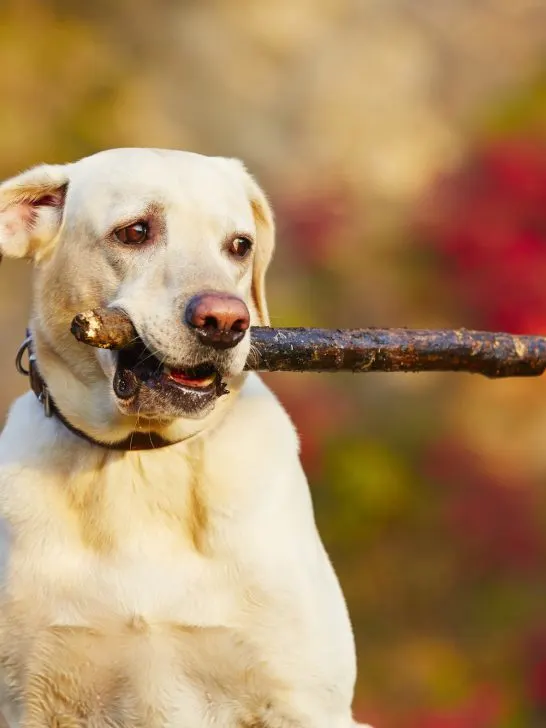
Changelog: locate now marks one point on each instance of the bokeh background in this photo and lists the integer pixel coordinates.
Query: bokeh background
(403, 145)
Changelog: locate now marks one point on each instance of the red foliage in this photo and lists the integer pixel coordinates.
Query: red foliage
(311, 224)
(317, 412)
(492, 521)
(535, 659)
(487, 222)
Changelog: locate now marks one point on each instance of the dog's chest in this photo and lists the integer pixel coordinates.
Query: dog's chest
(136, 543)
(156, 575)
(162, 582)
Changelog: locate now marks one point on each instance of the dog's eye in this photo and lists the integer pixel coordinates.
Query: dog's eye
(240, 246)
(134, 234)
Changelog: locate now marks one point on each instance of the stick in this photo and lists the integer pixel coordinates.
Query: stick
(355, 350)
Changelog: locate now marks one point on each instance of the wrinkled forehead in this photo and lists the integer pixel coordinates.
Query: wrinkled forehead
(123, 184)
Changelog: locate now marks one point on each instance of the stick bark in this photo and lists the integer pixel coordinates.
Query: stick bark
(494, 355)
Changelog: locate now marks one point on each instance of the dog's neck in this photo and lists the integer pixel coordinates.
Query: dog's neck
(136, 440)
(129, 438)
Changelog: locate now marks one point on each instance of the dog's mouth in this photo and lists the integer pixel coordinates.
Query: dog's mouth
(158, 389)
(202, 376)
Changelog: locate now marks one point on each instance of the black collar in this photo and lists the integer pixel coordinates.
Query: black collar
(134, 441)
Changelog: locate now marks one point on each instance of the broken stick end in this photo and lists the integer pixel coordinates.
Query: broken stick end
(103, 328)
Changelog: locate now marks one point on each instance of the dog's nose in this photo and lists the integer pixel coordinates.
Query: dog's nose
(219, 319)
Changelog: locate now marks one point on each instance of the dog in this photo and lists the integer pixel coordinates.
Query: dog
(161, 564)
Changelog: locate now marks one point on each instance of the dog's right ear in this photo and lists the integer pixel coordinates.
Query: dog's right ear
(31, 211)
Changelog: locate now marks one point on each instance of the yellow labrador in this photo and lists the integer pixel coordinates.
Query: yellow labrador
(162, 567)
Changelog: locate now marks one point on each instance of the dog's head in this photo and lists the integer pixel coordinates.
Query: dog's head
(179, 241)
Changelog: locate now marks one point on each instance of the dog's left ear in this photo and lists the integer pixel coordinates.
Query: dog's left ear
(265, 244)
(31, 211)
(265, 238)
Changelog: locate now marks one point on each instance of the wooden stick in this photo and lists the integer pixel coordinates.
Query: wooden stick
(356, 350)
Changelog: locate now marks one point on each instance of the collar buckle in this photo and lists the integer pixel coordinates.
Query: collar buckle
(23, 349)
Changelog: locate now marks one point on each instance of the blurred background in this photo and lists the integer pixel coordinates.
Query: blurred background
(403, 145)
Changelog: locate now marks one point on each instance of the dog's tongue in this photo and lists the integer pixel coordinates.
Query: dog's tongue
(181, 377)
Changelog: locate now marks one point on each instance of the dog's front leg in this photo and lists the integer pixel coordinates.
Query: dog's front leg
(76, 678)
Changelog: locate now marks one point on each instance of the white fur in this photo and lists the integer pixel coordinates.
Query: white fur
(198, 567)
